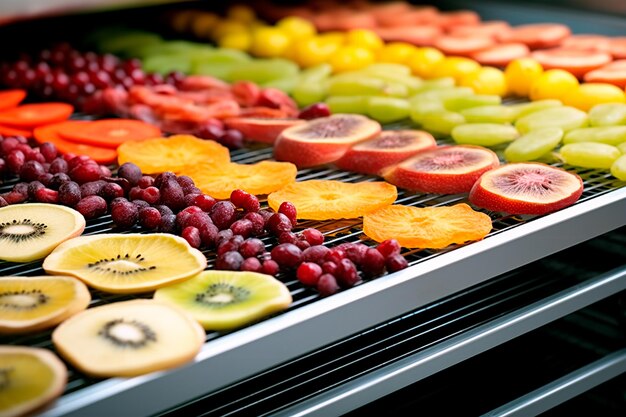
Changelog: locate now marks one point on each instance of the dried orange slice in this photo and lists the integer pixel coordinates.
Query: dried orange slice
(171, 154)
(429, 227)
(327, 199)
(220, 179)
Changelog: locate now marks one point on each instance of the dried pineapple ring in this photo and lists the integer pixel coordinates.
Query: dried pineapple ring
(326, 199)
(429, 227)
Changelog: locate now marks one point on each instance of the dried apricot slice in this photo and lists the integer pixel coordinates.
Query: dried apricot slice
(428, 227)
(220, 179)
(327, 199)
(171, 154)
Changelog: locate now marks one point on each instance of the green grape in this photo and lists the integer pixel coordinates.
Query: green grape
(263, 70)
(169, 48)
(216, 56)
(484, 134)
(316, 73)
(565, 117)
(125, 42)
(309, 93)
(387, 109)
(436, 83)
(622, 147)
(611, 135)
(412, 84)
(523, 109)
(348, 104)
(286, 84)
(465, 102)
(441, 122)
(489, 114)
(387, 68)
(607, 114)
(441, 94)
(164, 64)
(618, 169)
(534, 145)
(422, 109)
(360, 85)
(219, 70)
(590, 154)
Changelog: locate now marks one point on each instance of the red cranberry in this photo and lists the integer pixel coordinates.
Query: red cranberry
(58, 165)
(230, 261)
(172, 194)
(149, 218)
(278, 224)
(232, 139)
(14, 160)
(205, 202)
(58, 179)
(33, 187)
(389, 247)
(183, 216)
(85, 173)
(309, 273)
(373, 263)
(289, 210)
(395, 262)
(223, 214)
(251, 247)
(111, 190)
(327, 285)
(209, 235)
(130, 172)
(287, 255)
(91, 188)
(69, 193)
(258, 223)
(192, 236)
(151, 195)
(313, 236)
(46, 195)
(314, 111)
(92, 206)
(124, 214)
(49, 151)
(347, 275)
(330, 267)
(242, 227)
(315, 254)
(270, 267)
(251, 265)
(168, 224)
(145, 181)
(335, 255)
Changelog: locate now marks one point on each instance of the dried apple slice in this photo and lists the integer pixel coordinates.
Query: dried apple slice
(444, 170)
(260, 129)
(388, 148)
(29, 378)
(324, 140)
(526, 188)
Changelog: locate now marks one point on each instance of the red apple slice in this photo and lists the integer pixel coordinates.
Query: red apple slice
(388, 148)
(259, 129)
(526, 188)
(444, 170)
(323, 140)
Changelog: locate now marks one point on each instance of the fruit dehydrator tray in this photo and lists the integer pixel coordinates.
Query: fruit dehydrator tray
(312, 322)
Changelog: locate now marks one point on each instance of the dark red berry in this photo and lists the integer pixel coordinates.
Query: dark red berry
(388, 247)
(192, 236)
(172, 194)
(31, 170)
(69, 193)
(209, 235)
(151, 195)
(124, 214)
(14, 160)
(46, 195)
(373, 263)
(145, 181)
(168, 224)
(91, 188)
(198, 219)
(183, 216)
(231, 138)
(302, 244)
(111, 190)
(289, 210)
(223, 214)
(58, 179)
(242, 227)
(395, 262)
(270, 267)
(251, 265)
(313, 236)
(258, 223)
(85, 173)
(163, 209)
(33, 187)
(330, 267)
(238, 196)
(185, 181)
(354, 251)
(58, 165)
(140, 204)
(251, 247)
(231, 244)
(45, 178)
(3, 202)
(287, 255)
(205, 202)
(230, 261)
(315, 254)
(347, 275)
(149, 218)
(278, 224)
(14, 197)
(309, 273)
(49, 151)
(327, 285)
(92, 206)
(288, 237)
(335, 255)
(135, 193)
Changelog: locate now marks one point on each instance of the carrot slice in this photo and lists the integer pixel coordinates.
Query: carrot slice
(11, 131)
(500, 55)
(50, 133)
(11, 98)
(576, 62)
(109, 133)
(537, 35)
(613, 73)
(33, 115)
(463, 45)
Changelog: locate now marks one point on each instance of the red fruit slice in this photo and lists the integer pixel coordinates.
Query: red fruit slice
(587, 42)
(396, 14)
(323, 140)
(612, 73)
(11, 98)
(491, 28)
(526, 188)
(28, 116)
(49, 133)
(617, 47)
(449, 20)
(444, 170)
(109, 133)
(537, 35)
(463, 45)
(388, 148)
(260, 129)
(500, 55)
(577, 62)
(423, 35)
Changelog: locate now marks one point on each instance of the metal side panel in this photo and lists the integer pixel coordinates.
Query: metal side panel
(416, 367)
(243, 353)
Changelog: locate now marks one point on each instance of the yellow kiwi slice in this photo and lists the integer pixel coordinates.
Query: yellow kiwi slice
(29, 378)
(33, 303)
(126, 263)
(128, 338)
(31, 231)
(224, 300)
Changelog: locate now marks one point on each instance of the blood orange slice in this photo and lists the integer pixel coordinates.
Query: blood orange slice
(109, 133)
(389, 148)
(444, 170)
(171, 154)
(427, 228)
(219, 180)
(327, 199)
(526, 188)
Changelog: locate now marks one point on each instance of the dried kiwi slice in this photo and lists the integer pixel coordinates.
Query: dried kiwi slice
(126, 263)
(128, 338)
(31, 231)
(224, 300)
(34, 303)
(29, 378)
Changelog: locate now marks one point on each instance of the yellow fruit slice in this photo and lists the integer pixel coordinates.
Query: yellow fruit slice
(126, 263)
(219, 180)
(29, 378)
(327, 199)
(31, 231)
(128, 338)
(225, 300)
(171, 154)
(429, 227)
(34, 303)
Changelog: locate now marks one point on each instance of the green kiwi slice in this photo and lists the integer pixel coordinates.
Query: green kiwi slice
(225, 300)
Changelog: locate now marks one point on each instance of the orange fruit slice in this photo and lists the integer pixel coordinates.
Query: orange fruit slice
(220, 179)
(327, 199)
(171, 154)
(427, 228)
